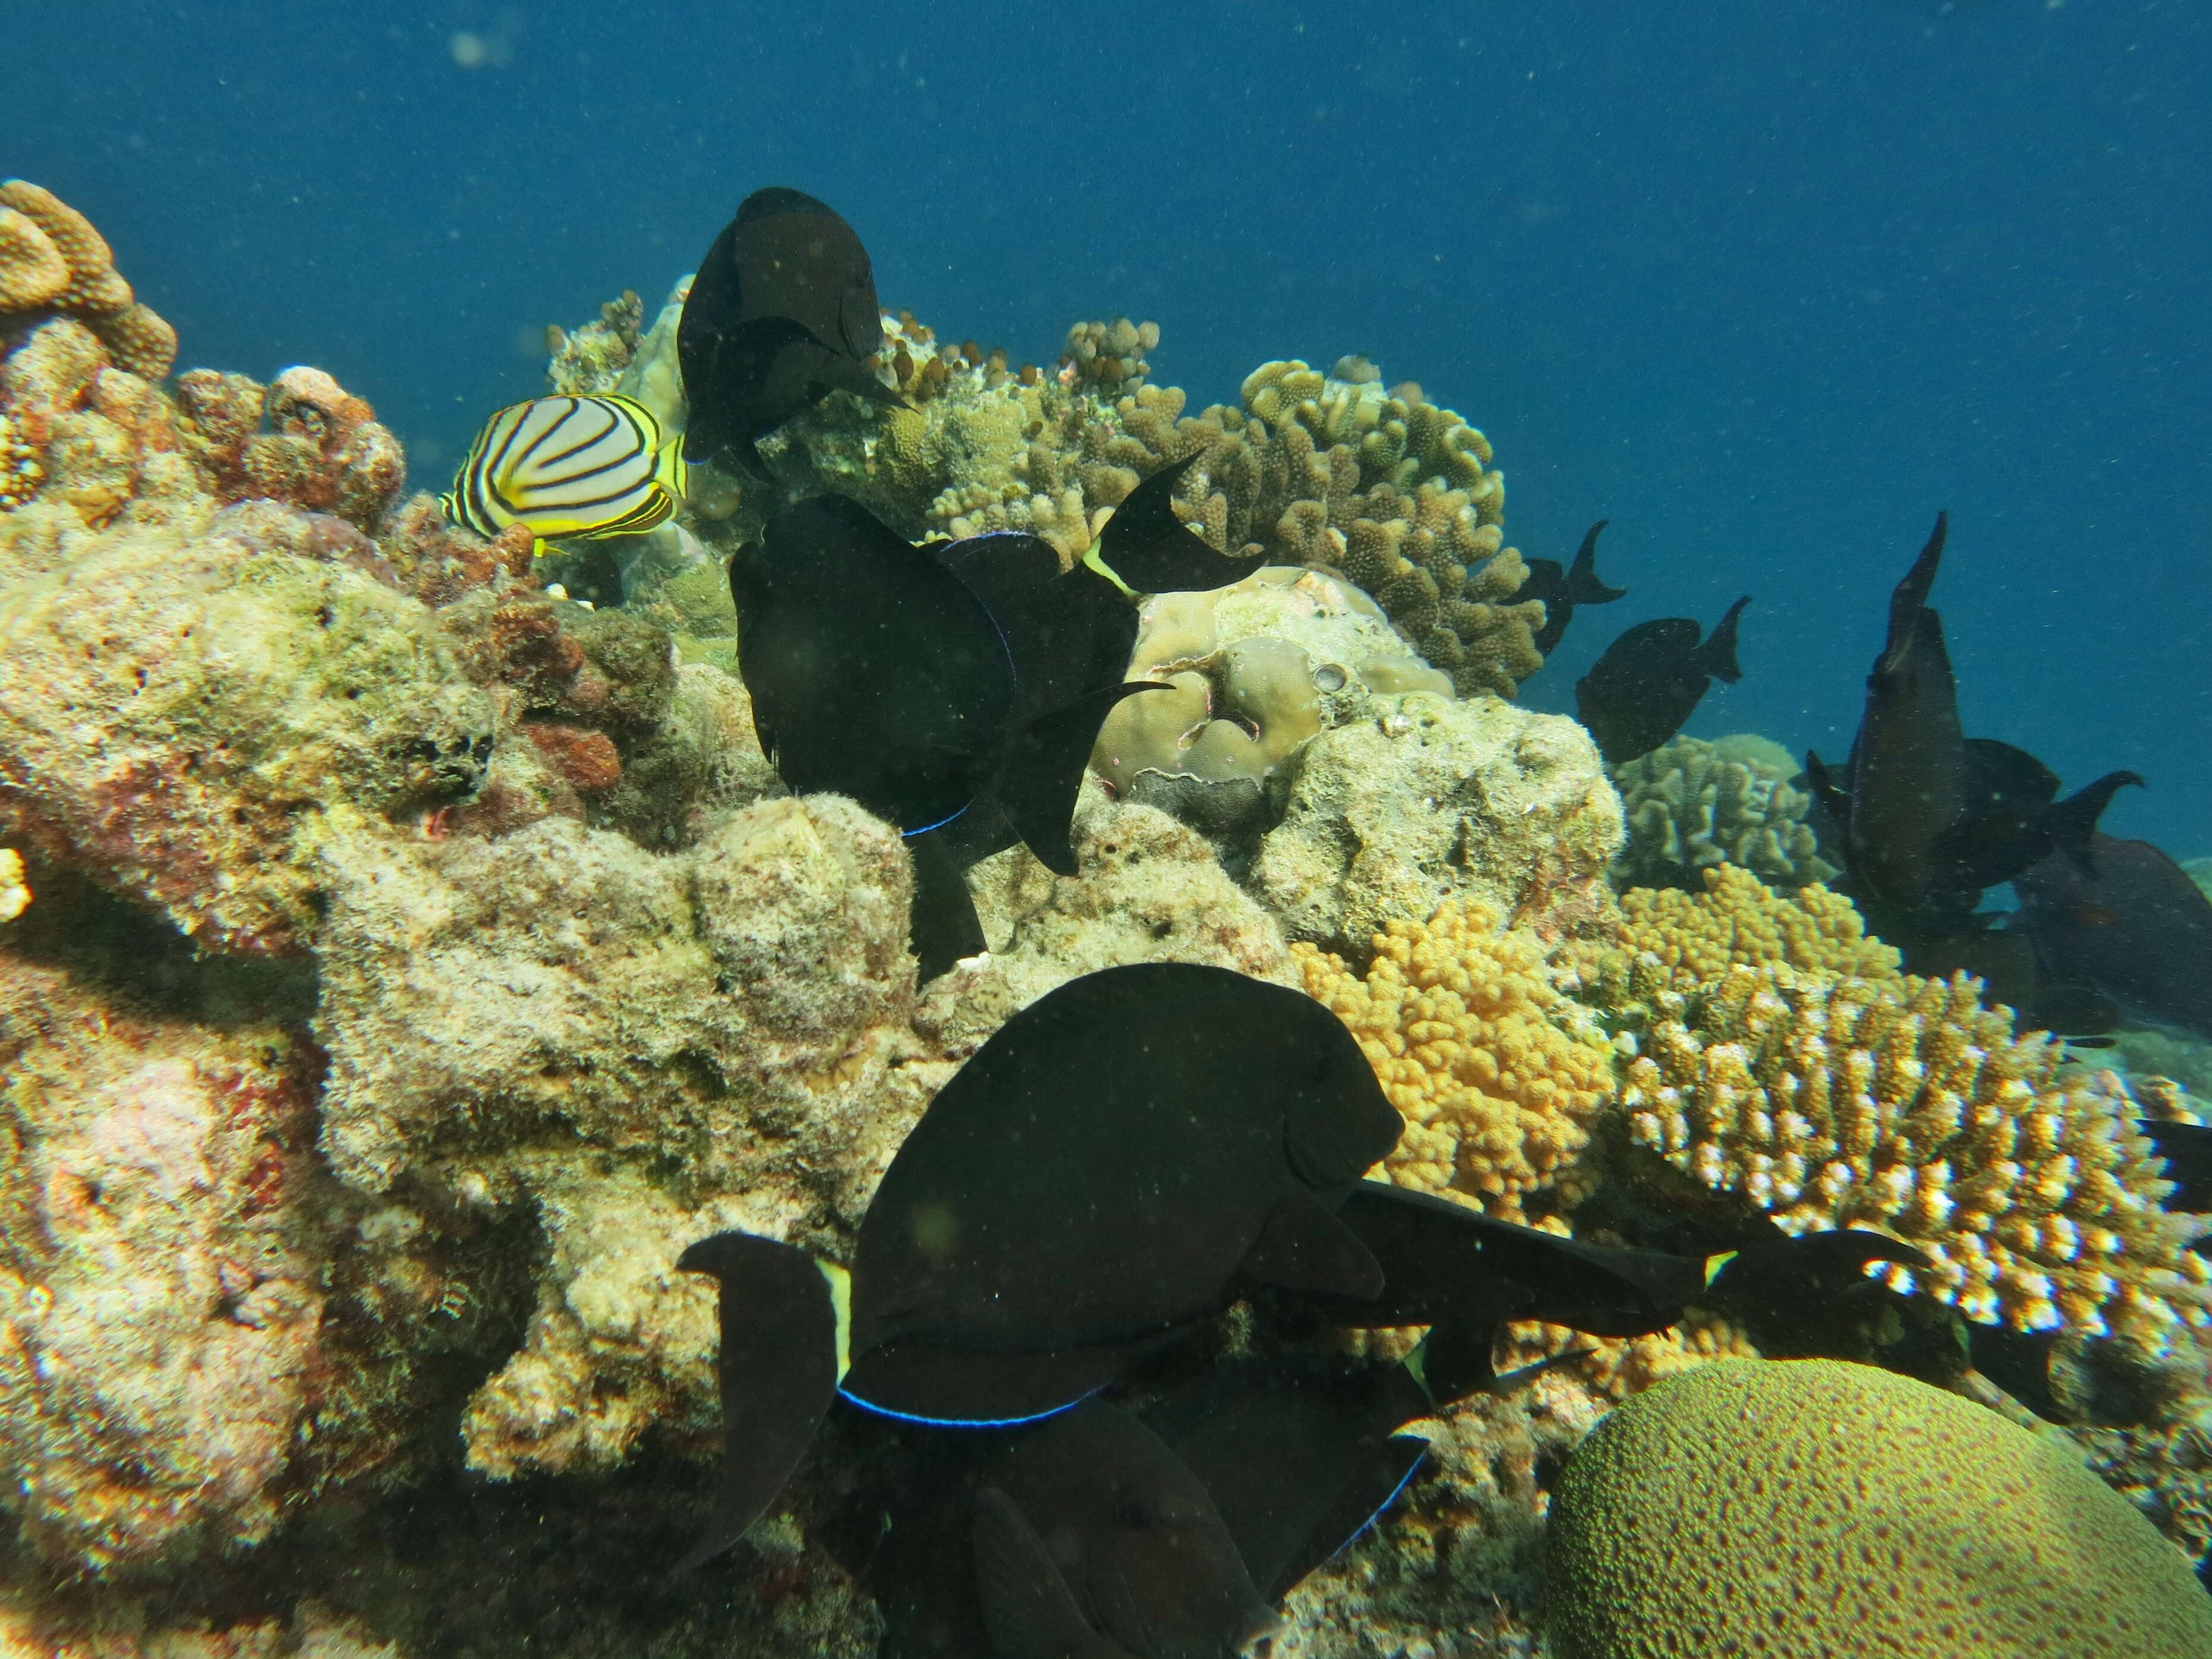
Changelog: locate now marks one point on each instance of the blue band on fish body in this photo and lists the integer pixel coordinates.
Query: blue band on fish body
(965, 1422)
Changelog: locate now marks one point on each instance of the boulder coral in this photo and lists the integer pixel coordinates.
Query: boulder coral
(1840, 1509)
(1443, 799)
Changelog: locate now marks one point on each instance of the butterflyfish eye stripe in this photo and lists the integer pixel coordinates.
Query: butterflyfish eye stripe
(568, 466)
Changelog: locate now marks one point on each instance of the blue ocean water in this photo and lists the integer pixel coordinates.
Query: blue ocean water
(1765, 284)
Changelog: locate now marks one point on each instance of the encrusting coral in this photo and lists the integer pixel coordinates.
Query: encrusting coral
(1498, 1075)
(53, 262)
(1932, 1529)
(1692, 806)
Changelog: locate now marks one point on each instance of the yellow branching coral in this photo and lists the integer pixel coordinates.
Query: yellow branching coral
(1671, 940)
(1497, 1074)
(1907, 1105)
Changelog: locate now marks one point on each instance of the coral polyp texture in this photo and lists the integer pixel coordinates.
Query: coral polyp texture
(1910, 1106)
(53, 262)
(1692, 806)
(1498, 1075)
(1839, 1509)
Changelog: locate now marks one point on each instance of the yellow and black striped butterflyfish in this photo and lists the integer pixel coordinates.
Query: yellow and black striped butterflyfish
(571, 468)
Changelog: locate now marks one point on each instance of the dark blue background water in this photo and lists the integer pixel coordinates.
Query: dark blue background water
(1764, 283)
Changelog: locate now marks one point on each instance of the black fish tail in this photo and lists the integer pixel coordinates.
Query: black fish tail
(1583, 586)
(2072, 822)
(1717, 656)
(1037, 784)
(1153, 551)
(1826, 790)
(1910, 597)
(944, 926)
(778, 1365)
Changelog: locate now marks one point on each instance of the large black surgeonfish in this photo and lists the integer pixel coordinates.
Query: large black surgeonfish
(782, 313)
(955, 689)
(2137, 931)
(1931, 816)
(1090, 1184)
(1648, 681)
(1562, 590)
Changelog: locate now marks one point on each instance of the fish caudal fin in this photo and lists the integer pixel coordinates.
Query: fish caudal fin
(943, 927)
(1583, 586)
(1145, 549)
(2073, 822)
(1037, 782)
(784, 1319)
(1717, 656)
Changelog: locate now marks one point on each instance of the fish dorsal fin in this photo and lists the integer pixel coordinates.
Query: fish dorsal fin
(1582, 586)
(1145, 549)
(1028, 1607)
(1304, 1246)
(1036, 783)
(1717, 656)
(782, 1328)
(944, 926)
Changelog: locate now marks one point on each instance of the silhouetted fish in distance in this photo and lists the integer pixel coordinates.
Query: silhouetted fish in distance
(782, 313)
(1561, 590)
(2137, 931)
(1094, 1539)
(956, 690)
(1064, 1205)
(1637, 695)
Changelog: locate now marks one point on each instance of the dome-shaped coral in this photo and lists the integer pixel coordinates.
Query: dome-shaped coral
(1805, 1508)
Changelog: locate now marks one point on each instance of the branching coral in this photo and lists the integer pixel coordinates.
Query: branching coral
(1498, 1075)
(1905, 1104)
(51, 260)
(1693, 805)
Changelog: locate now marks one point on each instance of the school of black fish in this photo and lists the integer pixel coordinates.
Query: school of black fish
(1031, 1318)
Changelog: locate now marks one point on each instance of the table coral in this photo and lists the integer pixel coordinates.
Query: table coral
(1907, 1105)
(1692, 804)
(160, 1294)
(51, 260)
(1441, 799)
(1498, 1075)
(1841, 1509)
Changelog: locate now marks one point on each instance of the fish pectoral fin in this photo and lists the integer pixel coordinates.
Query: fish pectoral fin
(1304, 1247)
(2072, 822)
(1037, 784)
(1455, 1363)
(1028, 1607)
(943, 927)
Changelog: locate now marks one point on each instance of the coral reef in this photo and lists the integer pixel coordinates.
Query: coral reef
(161, 1293)
(15, 885)
(1441, 799)
(1910, 1106)
(1691, 806)
(53, 261)
(1709, 1507)
(1260, 668)
(1498, 1075)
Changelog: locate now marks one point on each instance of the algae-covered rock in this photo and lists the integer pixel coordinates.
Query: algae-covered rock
(1438, 798)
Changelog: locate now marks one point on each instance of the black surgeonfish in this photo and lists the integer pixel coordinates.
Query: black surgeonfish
(1449, 1266)
(1637, 695)
(782, 313)
(1301, 1453)
(1091, 1184)
(956, 688)
(1931, 816)
(1562, 590)
(1093, 1538)
(2138, 930)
